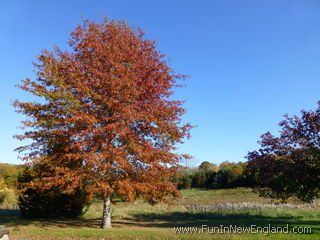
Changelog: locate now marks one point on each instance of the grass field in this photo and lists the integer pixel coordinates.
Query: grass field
(142, 221)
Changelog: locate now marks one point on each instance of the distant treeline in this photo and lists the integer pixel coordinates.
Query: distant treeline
(206, 176)
(9, 174)
(211, 176)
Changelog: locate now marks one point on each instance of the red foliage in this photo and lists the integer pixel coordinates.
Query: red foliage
(106, 121)
(289, 165)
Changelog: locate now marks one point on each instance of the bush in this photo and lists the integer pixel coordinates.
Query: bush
(52, 203)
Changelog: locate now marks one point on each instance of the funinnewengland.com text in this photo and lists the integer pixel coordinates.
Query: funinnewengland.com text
(253, 229)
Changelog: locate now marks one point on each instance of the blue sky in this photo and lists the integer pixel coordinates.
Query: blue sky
(249, 61)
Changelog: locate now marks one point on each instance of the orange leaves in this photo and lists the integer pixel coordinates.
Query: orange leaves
(107, 122)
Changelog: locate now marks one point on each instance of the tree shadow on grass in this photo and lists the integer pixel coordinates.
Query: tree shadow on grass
(12, 218)
(9, 212)
(216, 219)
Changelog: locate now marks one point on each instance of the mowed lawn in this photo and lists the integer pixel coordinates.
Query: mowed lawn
(142, 221)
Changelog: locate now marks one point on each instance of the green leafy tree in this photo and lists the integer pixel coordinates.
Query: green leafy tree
(207, 166)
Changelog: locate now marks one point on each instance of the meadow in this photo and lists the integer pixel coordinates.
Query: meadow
(197, 208)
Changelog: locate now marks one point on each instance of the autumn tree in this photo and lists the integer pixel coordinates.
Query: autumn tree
(289, 165)
(208, 166)
(236, 172)
(105, 121)
(9, 173)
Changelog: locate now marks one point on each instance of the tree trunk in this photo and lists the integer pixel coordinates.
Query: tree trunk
(106, 218)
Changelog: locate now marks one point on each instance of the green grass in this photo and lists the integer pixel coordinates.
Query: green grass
(142, 221)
